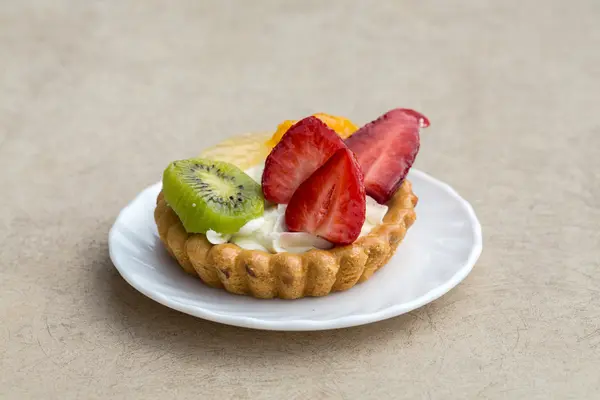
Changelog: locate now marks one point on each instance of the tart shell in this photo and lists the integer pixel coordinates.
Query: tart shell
(286, 275)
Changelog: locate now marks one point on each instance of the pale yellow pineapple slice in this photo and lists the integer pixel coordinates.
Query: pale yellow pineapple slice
(244, 151)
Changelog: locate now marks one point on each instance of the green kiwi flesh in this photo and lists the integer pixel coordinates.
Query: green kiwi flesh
(211, 195)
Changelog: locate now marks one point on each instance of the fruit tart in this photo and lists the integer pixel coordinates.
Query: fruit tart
(317, 207)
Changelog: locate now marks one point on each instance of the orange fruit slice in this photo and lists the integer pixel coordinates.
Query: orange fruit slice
(342, 126)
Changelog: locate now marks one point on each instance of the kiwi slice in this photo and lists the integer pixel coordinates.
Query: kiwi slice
(208, 194)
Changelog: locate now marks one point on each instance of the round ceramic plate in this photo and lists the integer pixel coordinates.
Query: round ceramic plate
(438, 252)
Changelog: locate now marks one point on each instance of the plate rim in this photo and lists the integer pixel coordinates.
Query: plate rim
(347, 321)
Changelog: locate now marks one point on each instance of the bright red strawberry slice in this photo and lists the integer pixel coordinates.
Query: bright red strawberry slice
(386, 149)
(331, 203)
(306, 146)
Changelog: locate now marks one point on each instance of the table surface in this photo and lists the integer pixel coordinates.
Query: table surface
(97, 97)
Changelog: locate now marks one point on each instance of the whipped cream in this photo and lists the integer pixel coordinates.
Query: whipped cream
(269, 233)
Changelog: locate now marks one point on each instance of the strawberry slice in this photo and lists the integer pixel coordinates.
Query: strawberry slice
(331, 203)
(386, 149)
(306, 146)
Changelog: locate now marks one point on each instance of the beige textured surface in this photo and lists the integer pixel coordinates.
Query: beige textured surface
(97, 96)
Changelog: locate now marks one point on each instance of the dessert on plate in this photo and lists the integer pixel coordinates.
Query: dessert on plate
(316, 207)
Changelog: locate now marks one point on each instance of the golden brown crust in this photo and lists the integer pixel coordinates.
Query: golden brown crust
(286, 275)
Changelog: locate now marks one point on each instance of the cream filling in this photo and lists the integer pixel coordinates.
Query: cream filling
(269, 233)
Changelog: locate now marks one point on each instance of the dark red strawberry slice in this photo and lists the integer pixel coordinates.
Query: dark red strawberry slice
(306, 146)
(386, 149)
(331, 203)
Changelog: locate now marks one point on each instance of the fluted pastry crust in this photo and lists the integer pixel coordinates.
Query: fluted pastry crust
(286, 275)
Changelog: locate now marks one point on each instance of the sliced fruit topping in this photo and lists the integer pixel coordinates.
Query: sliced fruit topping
(386, 149)
(342, 126)
(331, 203)
(304, 148)
(243, 151)
(211, 195)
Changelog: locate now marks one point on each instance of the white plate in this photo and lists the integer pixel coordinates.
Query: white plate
(438, 252)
